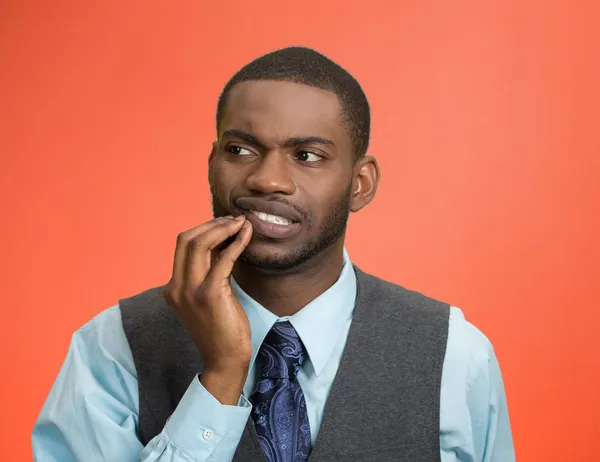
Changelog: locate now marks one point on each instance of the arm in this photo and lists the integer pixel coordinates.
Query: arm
(488, 407)
(91, 413)
(200, 429)
(474, 424)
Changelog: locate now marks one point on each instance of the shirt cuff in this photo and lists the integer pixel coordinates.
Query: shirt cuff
(200, 422)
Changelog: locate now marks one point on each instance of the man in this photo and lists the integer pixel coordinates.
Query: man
(267, 343)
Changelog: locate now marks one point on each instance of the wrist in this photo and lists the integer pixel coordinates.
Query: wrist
(226, 386)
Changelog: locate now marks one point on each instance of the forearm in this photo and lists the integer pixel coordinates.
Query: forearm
(200, 428)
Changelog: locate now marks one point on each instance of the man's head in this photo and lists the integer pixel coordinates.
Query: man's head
(293, 130)
(305, 66)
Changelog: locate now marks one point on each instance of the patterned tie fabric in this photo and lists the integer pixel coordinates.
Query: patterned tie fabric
(279, 408)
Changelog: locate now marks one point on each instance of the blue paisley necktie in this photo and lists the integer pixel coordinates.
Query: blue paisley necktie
(279, 408)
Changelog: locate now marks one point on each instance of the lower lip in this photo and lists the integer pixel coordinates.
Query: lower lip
(272, 230)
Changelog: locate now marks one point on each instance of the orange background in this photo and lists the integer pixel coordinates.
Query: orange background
(485, 123)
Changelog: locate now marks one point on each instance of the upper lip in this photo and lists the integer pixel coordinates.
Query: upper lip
(270, 207)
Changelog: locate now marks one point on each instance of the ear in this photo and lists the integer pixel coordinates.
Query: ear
(364, 183)
(211, 159)
(211, 156)
(213, 152)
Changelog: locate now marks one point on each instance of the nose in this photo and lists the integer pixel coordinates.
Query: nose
(271, 175)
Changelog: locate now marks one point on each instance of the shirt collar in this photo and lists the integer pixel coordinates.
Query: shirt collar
(318, 324)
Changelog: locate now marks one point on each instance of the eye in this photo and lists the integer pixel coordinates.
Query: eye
(307, 156)
(238, 150)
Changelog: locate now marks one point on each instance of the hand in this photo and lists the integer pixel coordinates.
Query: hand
(200, 293)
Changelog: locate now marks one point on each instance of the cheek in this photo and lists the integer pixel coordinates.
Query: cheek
(223, 180)
(325, 200)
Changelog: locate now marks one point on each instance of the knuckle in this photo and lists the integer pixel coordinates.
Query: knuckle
(168, 290)
(169, 294)
(200, 296)
(190, 297)
(183, 238)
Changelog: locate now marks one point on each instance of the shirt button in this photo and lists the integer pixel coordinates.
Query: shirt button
(208, 434)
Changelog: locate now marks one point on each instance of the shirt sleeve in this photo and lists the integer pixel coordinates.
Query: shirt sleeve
(489, 411)
(91, 413)
(474, 423)
(200, 428)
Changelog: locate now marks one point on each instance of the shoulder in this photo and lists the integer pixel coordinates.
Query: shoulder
(467, 337)
(382, 288)
(467, 346)
(102, 340)
(103, 327)
(153, 330)
(469, 353)
(379, 290)
(146, 312)
(144, 315)
(145, 302)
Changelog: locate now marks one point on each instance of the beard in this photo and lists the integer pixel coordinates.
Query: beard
(331, 229)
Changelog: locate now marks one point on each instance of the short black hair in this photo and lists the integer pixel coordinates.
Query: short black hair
(309, 67)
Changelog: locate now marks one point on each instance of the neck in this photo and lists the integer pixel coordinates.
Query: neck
(284, 294)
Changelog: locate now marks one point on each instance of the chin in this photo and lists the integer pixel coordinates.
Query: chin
(283, 257)
(268, 259)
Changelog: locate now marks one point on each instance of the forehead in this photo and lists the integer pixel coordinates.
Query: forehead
(276, 110)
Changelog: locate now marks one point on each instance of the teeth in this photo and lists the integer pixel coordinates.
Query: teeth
(272, 218)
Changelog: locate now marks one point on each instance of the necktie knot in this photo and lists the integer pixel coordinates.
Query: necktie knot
(282, 352)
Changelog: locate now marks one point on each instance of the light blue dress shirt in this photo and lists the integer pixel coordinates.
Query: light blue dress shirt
(91, 413)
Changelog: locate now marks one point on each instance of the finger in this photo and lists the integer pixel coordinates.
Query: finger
(181, 251)
(221, 270)
(199, 252)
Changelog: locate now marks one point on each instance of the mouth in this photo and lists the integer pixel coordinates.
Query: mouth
(274, 219)
(271, 219)
(271, 226)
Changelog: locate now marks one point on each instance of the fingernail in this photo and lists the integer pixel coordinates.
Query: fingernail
(240, 217)
(246, 225)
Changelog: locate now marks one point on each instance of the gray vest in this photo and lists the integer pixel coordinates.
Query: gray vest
(384, 404)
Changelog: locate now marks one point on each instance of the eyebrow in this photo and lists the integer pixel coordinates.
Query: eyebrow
(288, 143)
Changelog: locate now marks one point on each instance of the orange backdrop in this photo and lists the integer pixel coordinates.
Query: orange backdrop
(485, 122)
